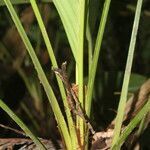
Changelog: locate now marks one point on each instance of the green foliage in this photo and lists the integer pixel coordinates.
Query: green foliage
(79, 28)
(124, 92)
(96, 55)
(135, 81)
(22, 125)
(134, 122)
(41, 74)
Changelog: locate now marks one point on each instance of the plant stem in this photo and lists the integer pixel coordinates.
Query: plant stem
(124, 92)
(132, 125)
(49, 92)
(54, 63)
(81, 16)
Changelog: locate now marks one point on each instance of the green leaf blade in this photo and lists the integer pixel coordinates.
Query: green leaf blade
(124, 92)
(51, 97)
(22, 125)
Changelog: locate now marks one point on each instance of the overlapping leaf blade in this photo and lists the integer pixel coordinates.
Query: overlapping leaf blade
(67, 10)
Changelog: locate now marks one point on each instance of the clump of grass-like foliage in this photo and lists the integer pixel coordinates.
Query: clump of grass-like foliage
(75, 16)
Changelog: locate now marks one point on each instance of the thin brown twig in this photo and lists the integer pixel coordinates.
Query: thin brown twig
(12, 129)
(72, 98)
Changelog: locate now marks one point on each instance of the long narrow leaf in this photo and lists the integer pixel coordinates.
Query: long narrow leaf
(90, 45)
(93, 68)
(41, 75)
(79, 62)
(21, 125)
(134, 122)
(124, 92)
(54, 63)
(67, 10)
